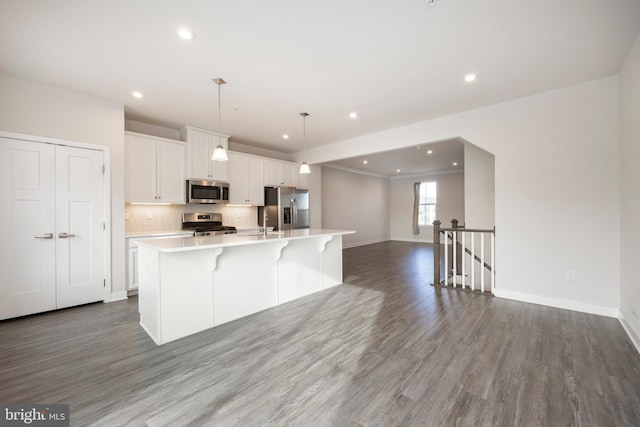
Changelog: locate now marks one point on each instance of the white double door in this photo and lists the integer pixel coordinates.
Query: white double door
(52, 227)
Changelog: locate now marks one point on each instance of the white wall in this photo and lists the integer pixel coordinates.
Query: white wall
(149, 129)
(169, 217)
(479, 185)
(450, 204)
(357, 202)
(630, 190)
(313, 183)
(35, 109)
(556, 187)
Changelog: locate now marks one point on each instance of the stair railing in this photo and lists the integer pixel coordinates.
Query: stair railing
(461, 261)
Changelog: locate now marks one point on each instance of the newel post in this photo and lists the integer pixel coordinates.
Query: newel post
(436, 252)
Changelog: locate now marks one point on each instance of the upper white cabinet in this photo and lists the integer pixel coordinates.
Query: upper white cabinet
(200, 146)
(246, 184)
(279, 173)
(154, 169)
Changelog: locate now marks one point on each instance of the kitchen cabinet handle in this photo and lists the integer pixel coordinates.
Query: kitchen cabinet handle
(45, 236)
(65, 235)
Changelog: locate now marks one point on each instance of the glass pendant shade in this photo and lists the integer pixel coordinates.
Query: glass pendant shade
(220, 154)
(304, 168)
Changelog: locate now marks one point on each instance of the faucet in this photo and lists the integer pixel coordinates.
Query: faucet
(265, 218)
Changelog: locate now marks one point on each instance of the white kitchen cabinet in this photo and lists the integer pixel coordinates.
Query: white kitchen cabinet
(200, 146)
(246, 181)
(131, 266)
(53, 220)
(155, 169)
(191, 285)
(280, 173)
(131, 260)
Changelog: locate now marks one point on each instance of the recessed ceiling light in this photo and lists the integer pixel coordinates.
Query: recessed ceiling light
(364, 162)
(397, 170)
(455, 163)
(429, 151)
(353, 115)
(137, 94)
(470, 77)
(285, 136)
(185, 33)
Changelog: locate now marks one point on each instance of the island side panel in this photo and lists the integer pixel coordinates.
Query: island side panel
(332, 263)
(187, 293)
(299, 269)
(245, 281)
(149, 292)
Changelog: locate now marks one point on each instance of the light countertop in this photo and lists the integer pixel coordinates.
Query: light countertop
(163, 233)
(210, 242)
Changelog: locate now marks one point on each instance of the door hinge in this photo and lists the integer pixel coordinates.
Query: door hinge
(104, 283)
(104, 168)
(104, 226)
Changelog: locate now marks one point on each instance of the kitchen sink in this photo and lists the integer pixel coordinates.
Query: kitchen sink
(259, 233)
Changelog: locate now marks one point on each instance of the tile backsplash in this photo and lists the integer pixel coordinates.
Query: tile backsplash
(169, 217)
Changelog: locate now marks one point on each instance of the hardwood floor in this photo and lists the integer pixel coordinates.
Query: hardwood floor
(384, 349)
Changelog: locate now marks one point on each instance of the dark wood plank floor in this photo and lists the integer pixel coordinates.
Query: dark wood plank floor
(384, 349)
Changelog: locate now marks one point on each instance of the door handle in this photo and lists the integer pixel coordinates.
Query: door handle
(45, 236)
(65, 235)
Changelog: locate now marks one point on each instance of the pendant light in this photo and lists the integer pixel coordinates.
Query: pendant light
(304, 167)
(219, 154)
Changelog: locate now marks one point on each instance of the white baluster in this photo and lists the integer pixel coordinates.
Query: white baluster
(482, 262)
(464, 256)
(493, 262)
(455, 258)
(446, 258)
(473, 264)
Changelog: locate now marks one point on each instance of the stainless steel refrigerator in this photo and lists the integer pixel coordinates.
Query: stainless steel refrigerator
(287, 208)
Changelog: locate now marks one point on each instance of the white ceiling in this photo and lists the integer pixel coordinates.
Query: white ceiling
(394, 62)
(444, 156)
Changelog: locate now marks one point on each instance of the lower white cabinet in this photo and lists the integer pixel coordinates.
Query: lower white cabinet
(131, 265)
(189, 287)
(131, 260)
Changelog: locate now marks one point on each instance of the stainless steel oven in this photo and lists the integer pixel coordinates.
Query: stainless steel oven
(203, 191)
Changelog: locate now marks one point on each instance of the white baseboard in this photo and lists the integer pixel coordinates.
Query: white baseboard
(558, 303)
(415, 240)
(369, 242)
(633, 335)
(117, 296)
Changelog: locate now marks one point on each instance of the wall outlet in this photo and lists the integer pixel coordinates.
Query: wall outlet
(149, 215)
(570, 275)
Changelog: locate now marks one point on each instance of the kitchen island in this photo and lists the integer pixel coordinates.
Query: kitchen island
(190, 284)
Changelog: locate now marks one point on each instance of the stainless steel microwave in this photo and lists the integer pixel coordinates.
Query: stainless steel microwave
(203, 191)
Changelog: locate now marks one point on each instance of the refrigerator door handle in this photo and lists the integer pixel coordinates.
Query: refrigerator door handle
(294, 213)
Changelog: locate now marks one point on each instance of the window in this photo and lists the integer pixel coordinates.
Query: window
(427, 203)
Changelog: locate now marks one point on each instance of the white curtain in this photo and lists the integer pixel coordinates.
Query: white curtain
(416, 206)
